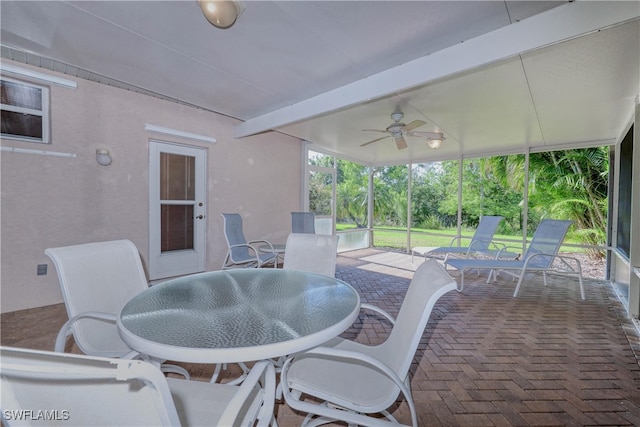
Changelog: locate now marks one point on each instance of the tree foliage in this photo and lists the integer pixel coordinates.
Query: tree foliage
(571, 184)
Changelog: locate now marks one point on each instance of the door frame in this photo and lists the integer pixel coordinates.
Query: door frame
(175, 263)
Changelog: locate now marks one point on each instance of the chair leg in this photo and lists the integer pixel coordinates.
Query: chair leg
(216, 373)
(581, 287)
(220, 366)
(175, 369)
(492, 274)
(461, 281)
(245, 372)
(515, 293)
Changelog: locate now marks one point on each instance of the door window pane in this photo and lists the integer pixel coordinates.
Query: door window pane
(176, 227)
(177, 182)
(177, 177)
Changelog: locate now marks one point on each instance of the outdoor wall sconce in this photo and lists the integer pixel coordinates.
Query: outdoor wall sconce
(103, 157)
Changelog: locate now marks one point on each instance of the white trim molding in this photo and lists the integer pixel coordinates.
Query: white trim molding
(180, 133)
(35, 75)
(40, 152)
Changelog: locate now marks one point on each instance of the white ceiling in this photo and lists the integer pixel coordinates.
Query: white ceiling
(494, 76)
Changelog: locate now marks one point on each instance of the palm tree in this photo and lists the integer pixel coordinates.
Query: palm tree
(571, 184)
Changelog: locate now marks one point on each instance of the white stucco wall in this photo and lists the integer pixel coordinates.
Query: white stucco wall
(53, 201)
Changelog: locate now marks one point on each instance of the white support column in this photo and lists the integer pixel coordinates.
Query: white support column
(370, 207)
(460, 169)
(409, 182)
(304, 190)
(634, 255)
(525, 195)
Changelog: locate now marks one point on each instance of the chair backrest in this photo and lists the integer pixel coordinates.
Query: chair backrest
(547, 239)
(315, 253)
(99, 277)
(429, 283)
(235, 236)
(484, 233)
(64, 389)
(303, 222)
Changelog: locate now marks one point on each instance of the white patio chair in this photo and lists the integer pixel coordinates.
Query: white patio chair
(356, 380)
(97, 280)
(45, 388)
(481, 243)
(303, 222)
(241, 253)
(314, 253)
(541, 255)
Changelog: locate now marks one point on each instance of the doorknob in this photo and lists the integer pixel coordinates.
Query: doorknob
(200, 217)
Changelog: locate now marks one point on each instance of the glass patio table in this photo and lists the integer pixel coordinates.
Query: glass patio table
(237, 315)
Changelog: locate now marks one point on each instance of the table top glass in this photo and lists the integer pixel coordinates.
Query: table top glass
(238, 315)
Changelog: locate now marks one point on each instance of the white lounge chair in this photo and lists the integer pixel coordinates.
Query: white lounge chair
(481, 243)
(314, 253)
(46, 388)
(541, 255)
(353, 379)
(241, 253)
(97, 280)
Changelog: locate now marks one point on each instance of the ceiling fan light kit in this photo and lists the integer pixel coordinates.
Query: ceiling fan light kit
(221, 13)
(434, 143)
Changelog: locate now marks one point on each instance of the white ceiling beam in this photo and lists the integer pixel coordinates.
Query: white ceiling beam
(553, 26)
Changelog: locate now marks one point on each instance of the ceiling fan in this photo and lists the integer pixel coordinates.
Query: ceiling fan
(397, 130)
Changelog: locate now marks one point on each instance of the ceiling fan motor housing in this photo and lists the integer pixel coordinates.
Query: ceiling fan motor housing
(395, 128)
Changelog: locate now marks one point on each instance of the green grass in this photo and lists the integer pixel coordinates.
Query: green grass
(395, 237)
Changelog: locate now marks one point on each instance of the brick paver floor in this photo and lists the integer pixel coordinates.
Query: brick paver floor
(546, 358)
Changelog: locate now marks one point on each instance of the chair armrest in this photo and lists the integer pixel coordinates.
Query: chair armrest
(268, 243)
(245, 245)
(563, 259)
(510, 251)
(65, 330)
(490, 244)
(386, 315)
(349, 417)
(262, 373)
(497, 250)
(457, 238)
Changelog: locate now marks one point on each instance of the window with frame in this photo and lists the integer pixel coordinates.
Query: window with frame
(25, 111)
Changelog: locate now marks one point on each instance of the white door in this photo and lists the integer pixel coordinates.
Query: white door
(177, 207)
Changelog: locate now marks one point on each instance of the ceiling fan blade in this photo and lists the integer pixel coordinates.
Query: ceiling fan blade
(374, 130)
(412, 125)
(401, 143)
(375, 140)
(431, 135)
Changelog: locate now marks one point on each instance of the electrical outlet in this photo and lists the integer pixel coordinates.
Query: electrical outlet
(42, 270)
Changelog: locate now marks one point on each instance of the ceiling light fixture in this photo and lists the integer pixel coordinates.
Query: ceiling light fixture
(221, 13)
